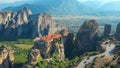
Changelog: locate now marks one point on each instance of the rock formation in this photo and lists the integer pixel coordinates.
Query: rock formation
(64, 34)
(46, 47)
(117, 33)
(13, 23)
(50, 46)
(85, 40)
(43, 25)
(101, 47)
(33, 58)
(107, 30)
(6, 58)
(24, 24)
(68, 39)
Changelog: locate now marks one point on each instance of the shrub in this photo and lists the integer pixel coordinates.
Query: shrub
(91, 53)
(112, 66)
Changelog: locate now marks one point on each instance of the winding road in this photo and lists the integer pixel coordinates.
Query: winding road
(109, 50)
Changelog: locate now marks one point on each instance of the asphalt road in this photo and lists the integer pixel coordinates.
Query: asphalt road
(109, 50)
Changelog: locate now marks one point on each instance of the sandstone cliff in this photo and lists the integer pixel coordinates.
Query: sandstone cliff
(6, 58)
(85, 40)
(23, 24)
(13, 24)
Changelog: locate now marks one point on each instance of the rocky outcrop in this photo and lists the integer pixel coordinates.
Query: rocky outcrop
(117, 33)
(6, 58)
(14, 24)
(45, 48)
(116, 54)
(117, 49)
(50, 46)
(33, 58)
(64, 34)
(58, 51)
(85, 40)
(42, 24)
(101, 47)
(107, 30)
(23, 24)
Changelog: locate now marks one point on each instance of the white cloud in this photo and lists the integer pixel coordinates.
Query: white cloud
(102, 1)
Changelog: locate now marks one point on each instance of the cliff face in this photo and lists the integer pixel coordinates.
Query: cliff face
(68, 39)
(23, 24)
(11, 22)
(85, 40)
(42, 24)
(117, 33)
(107, 30)
(6, 58)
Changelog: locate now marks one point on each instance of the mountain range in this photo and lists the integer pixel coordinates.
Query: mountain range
(70, 7)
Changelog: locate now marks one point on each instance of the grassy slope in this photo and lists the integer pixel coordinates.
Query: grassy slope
(21, 48)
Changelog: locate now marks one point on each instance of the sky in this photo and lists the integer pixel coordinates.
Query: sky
(10, 1)
(102, 1)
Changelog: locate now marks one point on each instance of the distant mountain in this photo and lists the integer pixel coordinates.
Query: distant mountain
(71, 7)
(111, 8)
(4, 5)
(57, 7)
(92, 4)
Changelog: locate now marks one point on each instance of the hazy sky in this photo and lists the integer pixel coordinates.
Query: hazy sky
(10, 1)
(102, 1)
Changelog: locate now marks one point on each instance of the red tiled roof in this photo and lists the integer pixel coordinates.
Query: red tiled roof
(51, 37)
